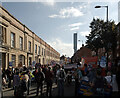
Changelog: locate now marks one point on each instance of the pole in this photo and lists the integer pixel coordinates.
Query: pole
(107, 13)
(108, 46)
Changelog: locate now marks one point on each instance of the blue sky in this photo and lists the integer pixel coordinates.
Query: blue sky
(55, 22)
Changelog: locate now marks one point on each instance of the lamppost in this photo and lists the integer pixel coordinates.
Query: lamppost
(107, 22)
(106, 11)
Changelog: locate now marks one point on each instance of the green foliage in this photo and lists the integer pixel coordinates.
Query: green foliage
(102, 35)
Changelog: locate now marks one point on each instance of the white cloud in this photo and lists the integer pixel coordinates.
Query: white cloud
(61, 47)
(68, 12)
(75, 24)
(53, 16)
(85, 33)
(49, 2)
(75, 28)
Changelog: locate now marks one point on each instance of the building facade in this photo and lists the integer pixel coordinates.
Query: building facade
(20, 46)
(117, 53)
(82, 52)
(75, 42)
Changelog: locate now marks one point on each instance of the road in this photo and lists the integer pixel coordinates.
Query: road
(69, 91)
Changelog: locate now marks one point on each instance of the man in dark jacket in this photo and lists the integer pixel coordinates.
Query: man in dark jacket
(49, 80)
(39, 79)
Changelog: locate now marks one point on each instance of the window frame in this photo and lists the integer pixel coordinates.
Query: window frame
(21, 43)
(13, 41)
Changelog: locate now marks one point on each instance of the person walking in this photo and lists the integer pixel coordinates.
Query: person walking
(29, 81)
(40, 76)
(68, 78)
(78, 77)
(98, 84)
(23, 84)
(49, 80)
(16, 82)
(61, 78)
(9, 76)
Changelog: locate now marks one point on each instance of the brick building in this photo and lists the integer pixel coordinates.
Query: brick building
(82, 52)
(21, 46)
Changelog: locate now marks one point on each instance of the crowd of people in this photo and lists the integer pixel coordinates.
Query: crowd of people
(98, 79)
(21, 79)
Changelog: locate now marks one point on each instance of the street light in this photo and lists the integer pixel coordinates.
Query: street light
(106, 13)
(107, 22)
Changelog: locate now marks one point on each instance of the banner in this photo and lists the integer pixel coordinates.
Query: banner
(103, 62)
(89, 61)
(10, 63)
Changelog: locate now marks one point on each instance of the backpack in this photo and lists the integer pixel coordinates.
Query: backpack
(61, 75)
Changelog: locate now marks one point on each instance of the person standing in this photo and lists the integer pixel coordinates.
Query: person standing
(16, 82)
(49, 81)
(118, 78)
(29, 81)
(68, 78)
(40, 76)
(24, 84)
(98, 84)
(78, 77)
(61, 78)
(9, 76)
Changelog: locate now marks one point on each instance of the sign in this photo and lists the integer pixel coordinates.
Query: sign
(10, 63)
(103, 62)
(89, 61)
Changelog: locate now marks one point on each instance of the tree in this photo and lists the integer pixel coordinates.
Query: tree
(102, 35)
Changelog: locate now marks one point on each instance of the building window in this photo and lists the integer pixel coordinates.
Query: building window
(30, 61)
(117, 54)
(13, 60)
(42, 51)
(3, 34)
(13, 40)
(21, 43)
(35, 48)
(39, 60)
(39, 50)
(117, 46)
(21, 60)
(117, 42)
(29, 46)
(118, 32)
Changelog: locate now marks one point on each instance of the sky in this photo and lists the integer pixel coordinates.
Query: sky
(56, 22)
